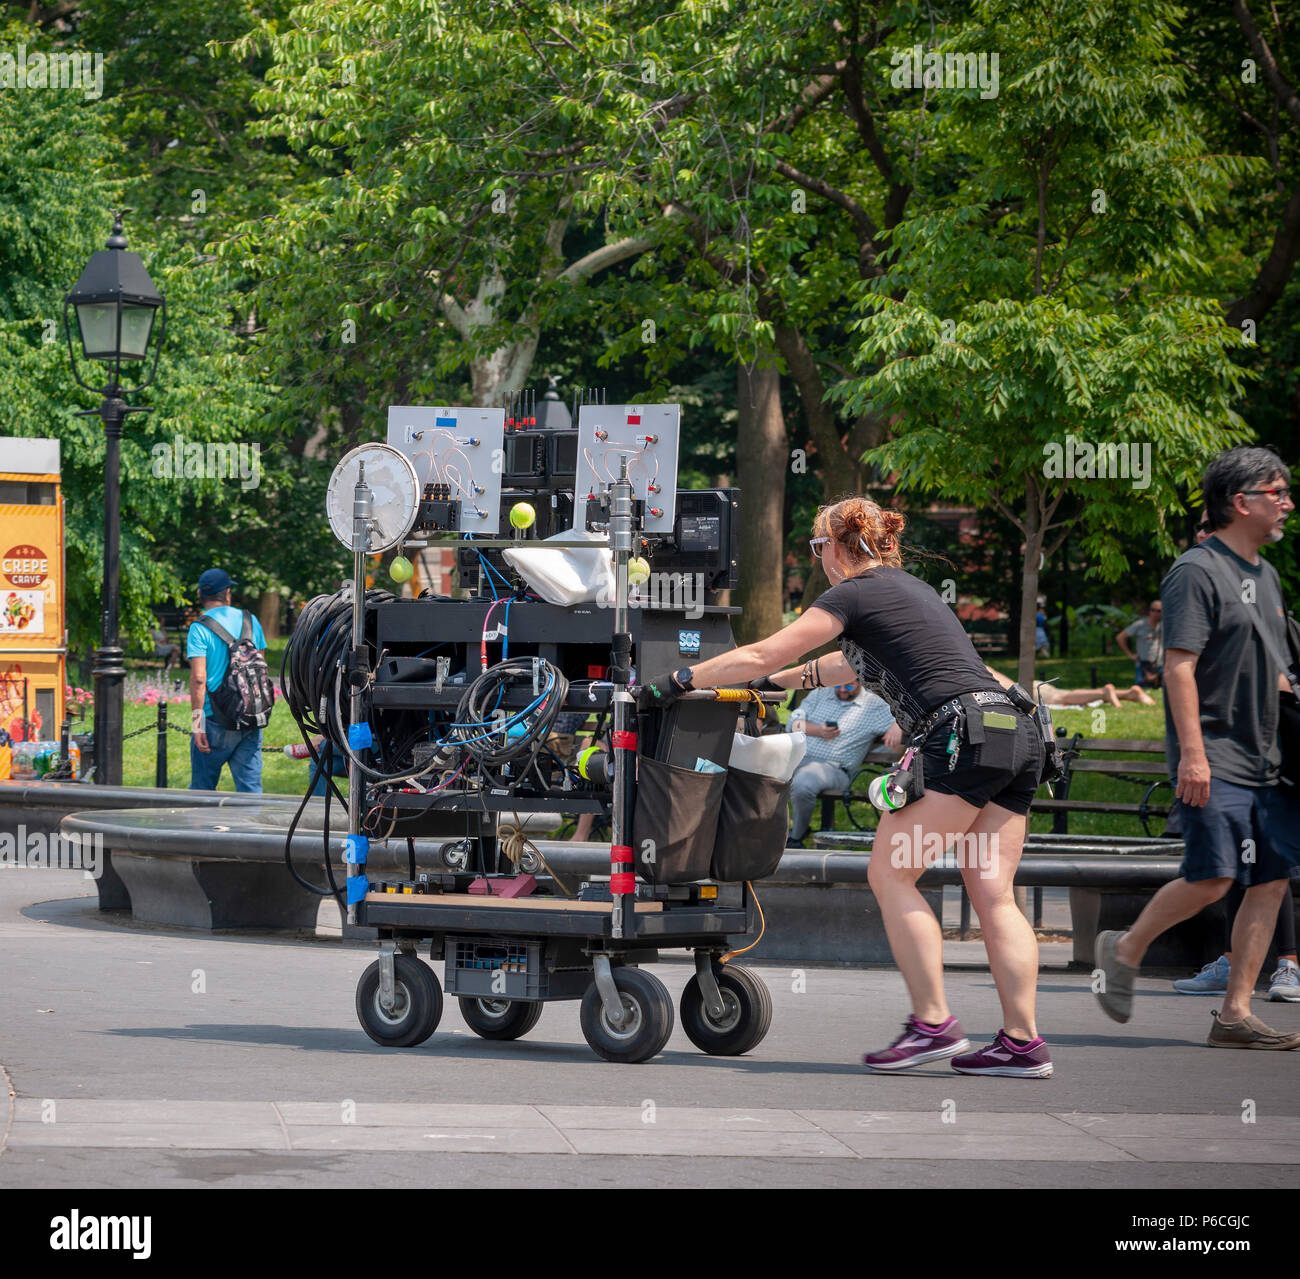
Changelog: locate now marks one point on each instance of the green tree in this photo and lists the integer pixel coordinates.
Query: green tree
(1076, 318)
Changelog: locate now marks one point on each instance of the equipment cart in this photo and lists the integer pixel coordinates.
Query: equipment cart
(689, 833)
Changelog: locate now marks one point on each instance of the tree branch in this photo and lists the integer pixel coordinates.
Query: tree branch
(1276, 271)
(1286, 94)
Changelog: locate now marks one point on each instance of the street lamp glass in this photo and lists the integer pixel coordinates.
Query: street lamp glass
(98, 324)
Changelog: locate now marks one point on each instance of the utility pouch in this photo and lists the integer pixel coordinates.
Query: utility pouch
(995, 735)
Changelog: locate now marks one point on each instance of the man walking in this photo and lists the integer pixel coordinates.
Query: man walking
(842, 724)
(215, 742)
(1221, 714)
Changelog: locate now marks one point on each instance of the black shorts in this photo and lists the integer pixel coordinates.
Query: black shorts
(1010, 785)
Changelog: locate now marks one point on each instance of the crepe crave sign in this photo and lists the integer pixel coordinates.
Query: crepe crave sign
(24, 566)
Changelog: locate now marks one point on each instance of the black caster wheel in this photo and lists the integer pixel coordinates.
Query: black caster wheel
(417, 999)
(500, 1018)
(647, 1021)
(746, 1016)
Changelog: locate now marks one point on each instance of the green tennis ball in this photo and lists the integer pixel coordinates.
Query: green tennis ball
(638, 571)
(400, 569)
(522, 515)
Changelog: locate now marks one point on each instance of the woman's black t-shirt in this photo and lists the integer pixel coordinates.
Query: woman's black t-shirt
(905, 643)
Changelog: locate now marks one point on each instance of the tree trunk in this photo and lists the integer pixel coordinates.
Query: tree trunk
(1029, 585)
(762, 457)
(268, 613)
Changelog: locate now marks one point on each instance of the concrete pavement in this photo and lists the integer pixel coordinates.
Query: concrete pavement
(148, 1057)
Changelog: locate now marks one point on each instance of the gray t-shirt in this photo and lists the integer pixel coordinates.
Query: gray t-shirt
(1147, 641)
(1236, 682)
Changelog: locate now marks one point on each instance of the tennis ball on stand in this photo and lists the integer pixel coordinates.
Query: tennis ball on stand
(400, 569)
(638, 570)
(522, 515)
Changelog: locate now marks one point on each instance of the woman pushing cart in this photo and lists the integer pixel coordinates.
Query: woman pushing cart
(975, 757)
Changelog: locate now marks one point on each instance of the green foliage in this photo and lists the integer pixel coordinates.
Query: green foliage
(1056, 297)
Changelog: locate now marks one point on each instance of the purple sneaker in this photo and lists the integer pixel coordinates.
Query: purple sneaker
(1005, 1057)
(918, 1044)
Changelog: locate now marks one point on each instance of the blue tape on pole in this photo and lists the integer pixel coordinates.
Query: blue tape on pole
(360, 737)
(357, 848)
(358, 887)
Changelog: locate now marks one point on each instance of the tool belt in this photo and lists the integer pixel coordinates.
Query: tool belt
(962, 703)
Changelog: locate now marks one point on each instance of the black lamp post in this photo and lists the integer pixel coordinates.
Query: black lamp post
(116, 302)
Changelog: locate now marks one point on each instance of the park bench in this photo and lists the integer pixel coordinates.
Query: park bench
(861, 813)
(1100, 756)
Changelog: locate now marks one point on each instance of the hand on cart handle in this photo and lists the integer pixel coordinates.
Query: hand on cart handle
(663, 690)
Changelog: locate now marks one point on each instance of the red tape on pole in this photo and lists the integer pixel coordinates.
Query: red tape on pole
(620, 853)
(622, 884)
(624, 741)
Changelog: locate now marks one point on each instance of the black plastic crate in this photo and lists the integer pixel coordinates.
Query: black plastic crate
(507, 968)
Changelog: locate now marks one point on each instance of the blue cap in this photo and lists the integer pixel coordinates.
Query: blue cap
(212, 582)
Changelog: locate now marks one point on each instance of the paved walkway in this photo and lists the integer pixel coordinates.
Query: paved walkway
(144, 1056)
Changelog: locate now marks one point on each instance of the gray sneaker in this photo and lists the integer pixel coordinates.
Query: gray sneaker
(1116, 993)
(1213, 980)
(1250, 1033)
(1285, 984)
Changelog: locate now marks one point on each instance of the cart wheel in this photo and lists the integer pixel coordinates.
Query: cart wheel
(500, 1018)
(746, 1017)
(418, 999)
(647, 1023)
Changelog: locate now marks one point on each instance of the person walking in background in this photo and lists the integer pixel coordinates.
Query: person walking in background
(1222, 696)
(164, 648)
(214, 742)
(842, 724)
(1042, 645)
(1283, 986)
(1147, 634)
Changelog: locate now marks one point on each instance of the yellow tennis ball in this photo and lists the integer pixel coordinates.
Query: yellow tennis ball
(400, 569)
(638, 570)
(522, 515)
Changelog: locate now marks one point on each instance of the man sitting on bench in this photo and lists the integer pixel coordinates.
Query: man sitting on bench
(842, 725)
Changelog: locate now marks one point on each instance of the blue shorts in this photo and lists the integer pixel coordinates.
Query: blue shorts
(1247, 833)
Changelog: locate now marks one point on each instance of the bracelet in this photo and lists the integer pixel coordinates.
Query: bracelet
(817, 672)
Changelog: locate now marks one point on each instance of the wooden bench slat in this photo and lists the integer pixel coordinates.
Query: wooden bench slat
(1098, 806)
(1146, 767)
(1142, 745)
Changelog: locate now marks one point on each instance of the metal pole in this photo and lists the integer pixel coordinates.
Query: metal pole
(110, 668)
(27, 723)
(623, 907)
(160, 766)
(362, 515)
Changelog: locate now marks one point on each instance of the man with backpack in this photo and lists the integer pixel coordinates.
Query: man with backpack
(231, 694)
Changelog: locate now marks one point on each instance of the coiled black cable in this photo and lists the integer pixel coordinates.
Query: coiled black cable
(474, 727)
(319, 642)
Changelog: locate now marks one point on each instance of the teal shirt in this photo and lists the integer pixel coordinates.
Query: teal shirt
(201, 642)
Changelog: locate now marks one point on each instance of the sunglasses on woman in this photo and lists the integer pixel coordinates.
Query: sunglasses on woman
(816, 543)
